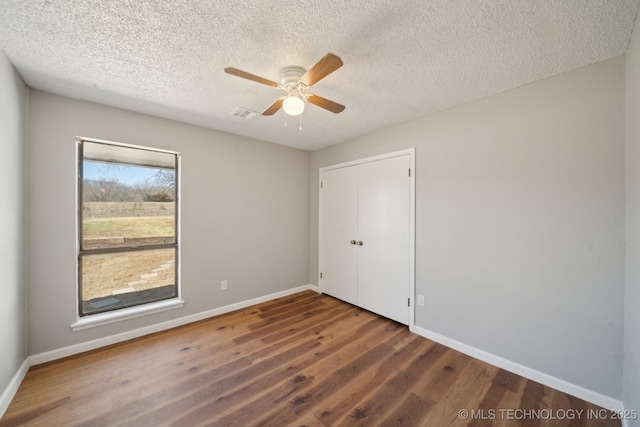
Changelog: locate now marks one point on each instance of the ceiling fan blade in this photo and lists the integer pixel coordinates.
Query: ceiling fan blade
(249, 76)
(325, 103)
(273, 108)
(322, 69)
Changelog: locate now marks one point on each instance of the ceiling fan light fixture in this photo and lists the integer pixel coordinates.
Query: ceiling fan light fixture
(293, 105)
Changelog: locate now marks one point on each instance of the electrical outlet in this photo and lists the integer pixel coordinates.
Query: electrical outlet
(421, 300)
(223, 285)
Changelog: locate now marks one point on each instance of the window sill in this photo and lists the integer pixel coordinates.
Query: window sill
(125, 314)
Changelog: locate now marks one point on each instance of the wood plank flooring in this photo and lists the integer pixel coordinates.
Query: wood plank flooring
(303, 360)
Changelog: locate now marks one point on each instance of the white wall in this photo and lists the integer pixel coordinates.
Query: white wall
(520, 217)
(245, 214)
(632, 291)
(13, 106)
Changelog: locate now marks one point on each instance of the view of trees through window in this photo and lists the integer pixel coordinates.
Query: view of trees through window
(128, 230)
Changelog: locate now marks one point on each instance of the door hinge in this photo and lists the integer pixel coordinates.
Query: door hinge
(409, 171)
(320, 184)
(408, 302)
(321, 275)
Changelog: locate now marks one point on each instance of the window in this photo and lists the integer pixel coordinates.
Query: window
(127, 226)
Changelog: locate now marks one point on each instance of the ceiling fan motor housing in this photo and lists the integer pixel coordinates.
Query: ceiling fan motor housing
(291, 75)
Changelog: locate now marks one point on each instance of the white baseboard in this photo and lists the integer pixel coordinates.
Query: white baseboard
(12, 388)
(529, 373)
(48, 356)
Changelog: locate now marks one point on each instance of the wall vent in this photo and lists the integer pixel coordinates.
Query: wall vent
(243, 113)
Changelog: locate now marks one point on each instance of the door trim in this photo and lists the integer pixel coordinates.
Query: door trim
(412, 218)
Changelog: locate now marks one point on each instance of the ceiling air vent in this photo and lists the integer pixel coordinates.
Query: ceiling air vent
(243, 113)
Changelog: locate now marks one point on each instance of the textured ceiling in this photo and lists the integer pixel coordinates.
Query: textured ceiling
(402, 58)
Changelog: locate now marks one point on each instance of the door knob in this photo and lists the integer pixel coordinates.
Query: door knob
(359, 243)
(353, 242)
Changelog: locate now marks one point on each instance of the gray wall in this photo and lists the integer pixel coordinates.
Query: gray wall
(245, 214)
(520, 211)
(13, 106)
(632, 291)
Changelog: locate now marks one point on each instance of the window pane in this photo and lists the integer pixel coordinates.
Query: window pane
(118, 280)
(127, 198)
(127, 205)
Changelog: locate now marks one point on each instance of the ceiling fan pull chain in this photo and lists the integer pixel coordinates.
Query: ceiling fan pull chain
(300, 121)
(285, 119)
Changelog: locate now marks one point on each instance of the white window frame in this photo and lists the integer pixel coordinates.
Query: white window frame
(84, 321)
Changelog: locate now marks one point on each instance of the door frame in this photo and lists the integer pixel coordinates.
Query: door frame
(412, 218)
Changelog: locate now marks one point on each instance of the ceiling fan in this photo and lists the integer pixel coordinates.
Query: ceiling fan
(295, 81)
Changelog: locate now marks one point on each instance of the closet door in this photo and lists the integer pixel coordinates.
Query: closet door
(338, 224)
(384, 188)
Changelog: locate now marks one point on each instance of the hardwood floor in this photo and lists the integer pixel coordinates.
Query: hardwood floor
(304, 360)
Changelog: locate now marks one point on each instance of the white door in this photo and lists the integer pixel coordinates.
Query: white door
(384, 191)
(338, 224)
